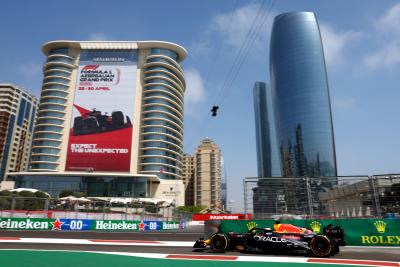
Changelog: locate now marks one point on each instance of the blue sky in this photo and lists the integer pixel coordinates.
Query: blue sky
(362, 47)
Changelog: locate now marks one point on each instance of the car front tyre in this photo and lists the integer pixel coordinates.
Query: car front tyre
(219, 243)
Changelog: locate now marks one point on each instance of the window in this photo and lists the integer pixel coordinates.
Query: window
(165, 52)
(60, 51)
(60, 59)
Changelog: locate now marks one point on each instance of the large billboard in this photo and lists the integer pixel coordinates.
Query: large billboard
(102, 117)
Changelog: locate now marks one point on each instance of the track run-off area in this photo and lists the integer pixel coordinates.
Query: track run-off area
(56, 248)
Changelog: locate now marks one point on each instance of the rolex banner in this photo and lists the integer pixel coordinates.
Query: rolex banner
(357, 232)
(82, 225)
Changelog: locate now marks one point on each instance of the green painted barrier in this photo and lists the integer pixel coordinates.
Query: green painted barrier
(358, 232)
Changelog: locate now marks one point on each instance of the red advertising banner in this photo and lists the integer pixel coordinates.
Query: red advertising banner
(101, 125)
(228, 216)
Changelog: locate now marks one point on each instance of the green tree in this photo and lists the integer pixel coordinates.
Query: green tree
(191, 209)
(24, 200)
(5, 200)
(65, 193)
(5, 193)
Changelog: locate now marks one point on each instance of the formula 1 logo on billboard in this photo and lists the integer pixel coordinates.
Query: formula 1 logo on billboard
(98, 77)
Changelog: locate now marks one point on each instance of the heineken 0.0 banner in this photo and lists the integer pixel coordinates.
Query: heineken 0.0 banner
(75, 224)
(136, 225)
(115, 225)
(82, 225)
(357, 232)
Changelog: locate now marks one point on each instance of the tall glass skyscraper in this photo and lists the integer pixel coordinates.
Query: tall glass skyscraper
(294, 121)
(262, 123)
(301, 97)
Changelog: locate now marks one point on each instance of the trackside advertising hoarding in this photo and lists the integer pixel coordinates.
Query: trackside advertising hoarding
(102, 113)
(136, 225)
(82, 225)
(228, 216)
(357, 232)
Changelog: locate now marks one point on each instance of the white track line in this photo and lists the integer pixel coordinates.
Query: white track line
(344, 262)
(98, 242)
(133, 242)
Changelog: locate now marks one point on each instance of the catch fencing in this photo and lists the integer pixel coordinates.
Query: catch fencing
(51, 208)
(375, 196)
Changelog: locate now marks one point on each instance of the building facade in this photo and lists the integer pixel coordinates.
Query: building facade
(300, 97)
(110, 120)
(203, 176)
(224, 186)
(263, 140)
(268, 158)
(207, 186)
(302, 109)
(299, 101)
(17, 119)
(188, 176)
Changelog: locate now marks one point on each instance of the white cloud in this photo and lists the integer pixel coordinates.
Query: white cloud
(387, 28)
(391, 20)
(231, 29)
(100, 36)
(336, 42)
(195, 93)
(386, 56)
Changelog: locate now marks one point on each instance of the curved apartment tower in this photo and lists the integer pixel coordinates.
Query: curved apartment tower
(301, 97)
(110, 109)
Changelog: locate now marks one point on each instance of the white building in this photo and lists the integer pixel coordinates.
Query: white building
(110, 120)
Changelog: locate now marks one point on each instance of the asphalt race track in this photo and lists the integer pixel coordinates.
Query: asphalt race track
(361, 253)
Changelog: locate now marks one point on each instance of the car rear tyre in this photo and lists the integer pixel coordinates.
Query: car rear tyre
(321, 246)
(219, 243)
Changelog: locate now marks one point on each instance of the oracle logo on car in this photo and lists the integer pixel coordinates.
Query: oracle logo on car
(210, 217)
(273, 239)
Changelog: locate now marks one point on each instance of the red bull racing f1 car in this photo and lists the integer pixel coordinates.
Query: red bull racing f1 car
(288, 238)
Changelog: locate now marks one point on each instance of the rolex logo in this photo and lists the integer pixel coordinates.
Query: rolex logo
(251, 225)
(380, 226)
(315, 226)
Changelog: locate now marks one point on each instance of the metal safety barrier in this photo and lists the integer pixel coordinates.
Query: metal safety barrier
(375, 196)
